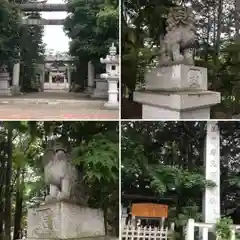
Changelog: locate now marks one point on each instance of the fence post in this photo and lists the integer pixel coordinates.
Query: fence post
(190, 230)
(233, 233)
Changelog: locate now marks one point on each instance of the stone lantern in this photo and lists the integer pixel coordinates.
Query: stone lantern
(112, 77)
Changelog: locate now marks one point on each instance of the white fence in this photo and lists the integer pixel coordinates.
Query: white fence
(131, 232)
(205, 228)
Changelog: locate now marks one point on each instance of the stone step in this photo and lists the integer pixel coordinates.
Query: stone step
(48, 101)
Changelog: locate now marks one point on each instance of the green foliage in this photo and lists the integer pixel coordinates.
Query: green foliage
(32, 54)
(187, 212)
(223, 228)
(142, 24)
(99, 159)
(179, 179)
(16, 38)
(10, 32)
(92, 27)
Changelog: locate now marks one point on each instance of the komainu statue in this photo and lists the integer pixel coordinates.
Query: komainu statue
(180, 40)
(65, 179)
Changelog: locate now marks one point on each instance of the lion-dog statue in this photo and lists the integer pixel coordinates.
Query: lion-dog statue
(64, 178)
(180, 40)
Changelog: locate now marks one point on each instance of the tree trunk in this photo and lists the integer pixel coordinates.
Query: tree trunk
(237, 19)
(81, 74)
(2, 182)
(237, 24)
(1, 213)
(19, 201)
(7, 211)
(208, 34)
(219, 30)
(105, 219)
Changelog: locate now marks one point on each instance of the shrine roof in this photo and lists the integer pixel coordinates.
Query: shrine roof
(134, 198)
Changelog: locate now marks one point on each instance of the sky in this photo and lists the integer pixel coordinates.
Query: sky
(54, 36)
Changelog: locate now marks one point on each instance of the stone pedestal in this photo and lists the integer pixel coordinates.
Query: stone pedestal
(62, 220)
(112, 102)
(101, 90)
(50, 78)
(176, 92)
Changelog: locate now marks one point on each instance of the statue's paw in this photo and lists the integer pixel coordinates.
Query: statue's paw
(190, 61)
(178, 58)
(62, 196)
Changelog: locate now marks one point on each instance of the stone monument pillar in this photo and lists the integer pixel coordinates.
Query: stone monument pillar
(15, 78)
(176, 89)
(91, 77)
(124, 216)
(112, 77)
(15, 88)
(69, 76)
(211, 200)
(65, 213)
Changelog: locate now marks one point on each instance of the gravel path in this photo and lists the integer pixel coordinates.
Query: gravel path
(54, 106)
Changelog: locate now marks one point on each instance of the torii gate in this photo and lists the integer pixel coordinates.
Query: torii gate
(37, 7)
(67, 60)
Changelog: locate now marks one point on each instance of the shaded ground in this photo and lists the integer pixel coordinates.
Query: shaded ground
(54, 106)
(50, 94)
(130, 109)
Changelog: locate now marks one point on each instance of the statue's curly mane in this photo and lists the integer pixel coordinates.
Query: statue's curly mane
(179, 16)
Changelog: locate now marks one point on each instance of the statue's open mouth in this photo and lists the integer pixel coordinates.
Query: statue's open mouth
(60, 149)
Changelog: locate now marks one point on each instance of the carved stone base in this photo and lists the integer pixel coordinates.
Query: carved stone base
(61, 220)
(4, 83)
(111, 105)
(112, 102)
(89, 90)
(176, 77)
(176, 104)
(101, 90)
(15, 90)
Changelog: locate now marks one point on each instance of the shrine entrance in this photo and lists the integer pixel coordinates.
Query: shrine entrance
(146, 218)
(40, 75)
(57, 76)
